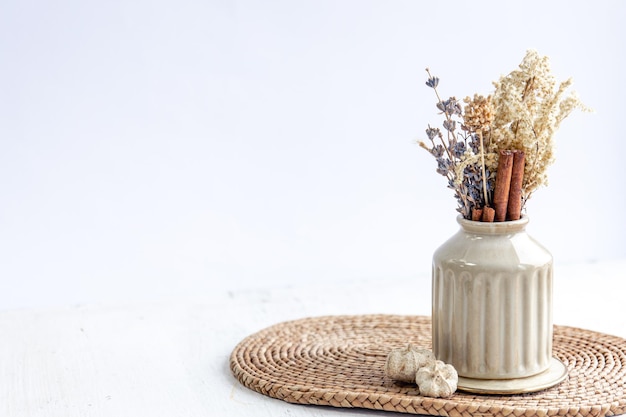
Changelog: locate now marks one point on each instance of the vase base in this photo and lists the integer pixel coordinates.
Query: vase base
(552, 376)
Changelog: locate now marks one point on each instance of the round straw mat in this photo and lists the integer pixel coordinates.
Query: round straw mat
(339, 361)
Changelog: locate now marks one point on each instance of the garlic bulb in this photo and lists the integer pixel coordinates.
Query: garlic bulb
(402, 364)
(437, 380)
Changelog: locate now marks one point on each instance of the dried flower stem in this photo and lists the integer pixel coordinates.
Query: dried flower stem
(482, 165)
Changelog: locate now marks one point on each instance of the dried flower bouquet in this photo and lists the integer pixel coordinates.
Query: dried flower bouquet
(496, 149)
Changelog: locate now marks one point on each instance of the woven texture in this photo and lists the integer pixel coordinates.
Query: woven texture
(339, 361)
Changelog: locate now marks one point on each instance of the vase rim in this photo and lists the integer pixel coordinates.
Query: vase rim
(508, 226)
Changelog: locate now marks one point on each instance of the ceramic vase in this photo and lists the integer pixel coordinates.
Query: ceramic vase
(492, 302)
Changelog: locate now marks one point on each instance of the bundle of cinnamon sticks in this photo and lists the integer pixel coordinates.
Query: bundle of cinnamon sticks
(507, 198)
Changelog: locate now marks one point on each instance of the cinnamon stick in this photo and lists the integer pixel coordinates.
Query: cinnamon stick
(514, 207)
(503, 184)
(477, 214)
(488, 214)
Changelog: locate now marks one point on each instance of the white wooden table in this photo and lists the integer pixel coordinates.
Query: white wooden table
(171, 358)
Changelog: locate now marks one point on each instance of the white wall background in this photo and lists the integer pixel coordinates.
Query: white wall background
(159, 148)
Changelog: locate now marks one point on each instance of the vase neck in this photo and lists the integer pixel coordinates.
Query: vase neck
(495, 228)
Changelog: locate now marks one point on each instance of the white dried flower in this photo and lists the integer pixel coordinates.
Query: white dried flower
(529, 107)
(403, 363)
(437, 380)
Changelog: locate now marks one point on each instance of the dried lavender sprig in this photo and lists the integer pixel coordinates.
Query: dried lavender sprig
(469, 180)
(432, 82)
(454, 152)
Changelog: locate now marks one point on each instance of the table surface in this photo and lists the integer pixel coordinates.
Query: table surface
(170, 358)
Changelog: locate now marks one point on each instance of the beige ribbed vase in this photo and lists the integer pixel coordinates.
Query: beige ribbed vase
(492, 301)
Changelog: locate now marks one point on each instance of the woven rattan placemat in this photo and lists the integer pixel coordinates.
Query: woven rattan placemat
(339, 361)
